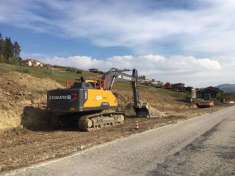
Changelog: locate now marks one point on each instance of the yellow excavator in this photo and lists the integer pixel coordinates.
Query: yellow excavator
(94, 103)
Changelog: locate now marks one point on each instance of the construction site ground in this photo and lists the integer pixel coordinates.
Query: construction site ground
(27, 135)
(22, 147)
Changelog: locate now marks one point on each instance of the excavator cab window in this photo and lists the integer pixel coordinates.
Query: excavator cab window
(90, 85)
(83, 85)
(77, 85)
(98, 85)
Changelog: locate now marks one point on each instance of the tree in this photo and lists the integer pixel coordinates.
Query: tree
(17, 50)
(8, 50)
(1, 45)
(1, 48)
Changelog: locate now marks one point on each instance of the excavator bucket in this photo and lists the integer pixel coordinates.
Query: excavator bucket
(143, 111)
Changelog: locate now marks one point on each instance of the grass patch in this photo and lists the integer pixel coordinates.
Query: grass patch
(59, 74)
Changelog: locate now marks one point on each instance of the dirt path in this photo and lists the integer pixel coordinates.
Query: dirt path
(22, 147)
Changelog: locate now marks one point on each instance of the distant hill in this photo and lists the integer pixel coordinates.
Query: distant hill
(228, 88)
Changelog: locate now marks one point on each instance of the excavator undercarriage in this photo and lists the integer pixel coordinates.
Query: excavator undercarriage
(100, 120)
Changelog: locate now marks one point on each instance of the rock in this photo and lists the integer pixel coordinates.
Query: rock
(82, 147)
(156, 113)
(7, 93)
(129, 110)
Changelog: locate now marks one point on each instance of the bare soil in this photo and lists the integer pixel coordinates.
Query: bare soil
(30, 137)
(21, 147)
(17, 91)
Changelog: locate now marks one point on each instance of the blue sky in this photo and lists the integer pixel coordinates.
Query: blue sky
(45, 45)
(170, 40)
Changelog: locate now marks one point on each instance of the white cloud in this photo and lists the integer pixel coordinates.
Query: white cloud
(208, 30)
(191, 70)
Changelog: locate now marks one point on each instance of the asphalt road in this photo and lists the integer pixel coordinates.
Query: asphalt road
(200, 146)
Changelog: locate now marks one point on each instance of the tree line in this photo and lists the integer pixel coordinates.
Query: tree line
(9, 50)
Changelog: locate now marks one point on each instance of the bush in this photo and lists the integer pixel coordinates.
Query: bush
(220, 96)
(74, 70)
(26, 70)
(79, 72)
(2, 59)
(15, 61)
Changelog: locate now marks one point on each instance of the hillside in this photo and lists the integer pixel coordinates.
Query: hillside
(58, 74)
(227, 88)
(24, 87)
(19, 91)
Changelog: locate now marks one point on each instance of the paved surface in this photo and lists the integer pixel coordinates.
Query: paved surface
(200, 146)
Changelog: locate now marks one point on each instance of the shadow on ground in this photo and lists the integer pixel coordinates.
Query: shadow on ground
(38, 119)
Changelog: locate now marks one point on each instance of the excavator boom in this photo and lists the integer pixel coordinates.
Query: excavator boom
(115, 75)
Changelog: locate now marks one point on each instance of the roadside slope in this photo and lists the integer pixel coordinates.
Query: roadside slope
(18, 91)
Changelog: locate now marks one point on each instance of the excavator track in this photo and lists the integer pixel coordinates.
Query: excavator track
(100, 120)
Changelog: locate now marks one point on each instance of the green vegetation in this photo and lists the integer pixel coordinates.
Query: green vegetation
(229, 96)
(170, 92)
(75, 70)
(220, 96)
(9, 51)
(60, 74)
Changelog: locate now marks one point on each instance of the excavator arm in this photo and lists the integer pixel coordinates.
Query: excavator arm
(114, 75)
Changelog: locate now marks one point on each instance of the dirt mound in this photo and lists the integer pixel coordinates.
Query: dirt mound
(159, 102)
(156, 113)
(129, 111)
(17, 91)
